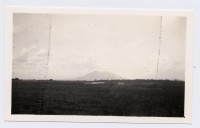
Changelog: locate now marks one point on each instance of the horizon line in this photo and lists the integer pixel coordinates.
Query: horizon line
(92, 80)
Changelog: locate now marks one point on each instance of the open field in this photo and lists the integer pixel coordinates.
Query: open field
(161, 98)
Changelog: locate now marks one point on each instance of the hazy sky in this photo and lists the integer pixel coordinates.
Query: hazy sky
(125, 45)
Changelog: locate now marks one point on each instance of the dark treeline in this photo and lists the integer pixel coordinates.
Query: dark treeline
(125, 82)
(104, 80)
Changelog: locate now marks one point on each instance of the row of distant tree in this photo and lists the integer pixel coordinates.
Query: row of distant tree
(116, 79)
(32, 79)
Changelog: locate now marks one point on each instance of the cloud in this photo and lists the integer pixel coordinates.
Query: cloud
(31, 61)
(24, 55)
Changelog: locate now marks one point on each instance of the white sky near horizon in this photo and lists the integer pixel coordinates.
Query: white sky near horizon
(125, 45)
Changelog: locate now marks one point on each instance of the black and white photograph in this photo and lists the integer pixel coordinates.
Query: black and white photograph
(110, 65)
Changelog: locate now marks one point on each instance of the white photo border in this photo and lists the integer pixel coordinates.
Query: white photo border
(189, 14)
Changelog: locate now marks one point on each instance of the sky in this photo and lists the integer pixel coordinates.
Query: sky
(79, 44)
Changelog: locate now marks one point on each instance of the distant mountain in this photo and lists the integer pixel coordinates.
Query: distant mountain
(99, 75)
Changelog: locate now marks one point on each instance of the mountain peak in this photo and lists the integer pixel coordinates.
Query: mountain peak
(99, 75)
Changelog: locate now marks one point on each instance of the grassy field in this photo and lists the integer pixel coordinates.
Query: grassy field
(161, 98)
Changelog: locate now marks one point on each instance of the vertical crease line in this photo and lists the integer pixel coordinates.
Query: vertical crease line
(48, 50)
(160, 42)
